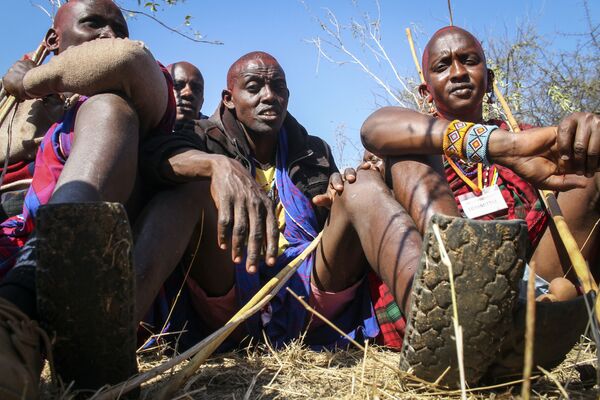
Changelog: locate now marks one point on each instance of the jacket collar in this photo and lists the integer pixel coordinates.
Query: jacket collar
(227, 123)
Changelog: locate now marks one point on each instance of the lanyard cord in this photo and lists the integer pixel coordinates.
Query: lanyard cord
(476, 188)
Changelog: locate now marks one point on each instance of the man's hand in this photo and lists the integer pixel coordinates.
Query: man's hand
(246, 214)
(533, 154)
(335, 187)
(578, 140)
(13, 80)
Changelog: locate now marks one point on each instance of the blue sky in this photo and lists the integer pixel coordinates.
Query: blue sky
(334, 98)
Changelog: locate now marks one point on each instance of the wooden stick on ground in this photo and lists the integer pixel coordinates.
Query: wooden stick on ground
(529, 333)
(268, 291)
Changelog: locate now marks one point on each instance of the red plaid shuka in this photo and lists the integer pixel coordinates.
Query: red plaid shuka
(523, 203)
(49, 163)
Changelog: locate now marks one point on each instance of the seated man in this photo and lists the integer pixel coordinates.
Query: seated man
(90, 156)
(471, 185)
(263, 170)
(188, 86)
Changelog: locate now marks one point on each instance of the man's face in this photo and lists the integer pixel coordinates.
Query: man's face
(456, 74)
(259, 95)
(189, 91)
(85, 20)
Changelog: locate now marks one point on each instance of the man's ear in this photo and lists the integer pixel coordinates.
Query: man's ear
(425, 93)
(52, 40)
(490, 83)
(227, 99)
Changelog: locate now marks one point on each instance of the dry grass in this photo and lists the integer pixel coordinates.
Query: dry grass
(297, 373)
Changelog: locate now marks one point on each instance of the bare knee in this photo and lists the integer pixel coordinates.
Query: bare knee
(112, 109)
(364, 192)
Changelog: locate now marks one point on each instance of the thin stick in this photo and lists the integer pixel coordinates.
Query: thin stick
(354, 342)
(579, 264)
(529, 334)
(457, 328)
(450, 12)
(187, 273)
(267, 291)
(411, 43)
(560, 387)
(3, 99)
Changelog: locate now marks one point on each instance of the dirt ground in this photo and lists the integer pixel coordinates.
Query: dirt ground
(298, 373)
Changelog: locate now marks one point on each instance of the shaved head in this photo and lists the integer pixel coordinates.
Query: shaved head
(257, 93)
(241, 63)
(456, 74)
(442, 33)
(191, 68)
(188, 87)
(65, 13)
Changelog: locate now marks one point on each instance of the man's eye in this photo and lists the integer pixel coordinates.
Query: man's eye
(197, 87)
(253, 88)
(440, 67)
(92, 23)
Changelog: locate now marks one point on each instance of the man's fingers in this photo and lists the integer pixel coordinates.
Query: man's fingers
(239, 232)
(322, 200)
(272, 237)
(565, 137)
(224, 222)
(336, 182)
(350, 175)
(564, 182)
(593, 150)
(256, 234)
(365, 165)
(580, 146)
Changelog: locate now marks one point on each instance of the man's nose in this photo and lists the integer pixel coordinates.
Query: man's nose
(186, 91)
(457, 70)
(268, 94)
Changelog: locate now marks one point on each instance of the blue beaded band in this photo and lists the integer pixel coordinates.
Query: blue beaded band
(477, 139)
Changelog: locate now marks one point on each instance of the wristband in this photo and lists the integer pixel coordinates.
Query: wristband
(478, 137)
(454, 139)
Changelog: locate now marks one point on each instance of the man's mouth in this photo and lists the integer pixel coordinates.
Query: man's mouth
(270, 114)
(186, 106)
(461, 90)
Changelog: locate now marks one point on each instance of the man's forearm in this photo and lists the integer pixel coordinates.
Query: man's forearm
(394, 131)
(190, 165)
(105, 65)
(398, 131)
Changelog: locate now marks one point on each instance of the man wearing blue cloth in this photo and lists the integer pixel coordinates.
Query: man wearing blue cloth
(266, 177)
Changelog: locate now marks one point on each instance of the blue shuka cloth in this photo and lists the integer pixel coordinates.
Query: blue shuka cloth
(288, 316)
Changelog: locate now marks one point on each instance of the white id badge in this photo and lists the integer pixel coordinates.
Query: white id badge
(488, 202)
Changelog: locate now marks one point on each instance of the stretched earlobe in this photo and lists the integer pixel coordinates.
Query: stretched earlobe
(490, 83)
(425, 93)
(52, 40)
(226, 98)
